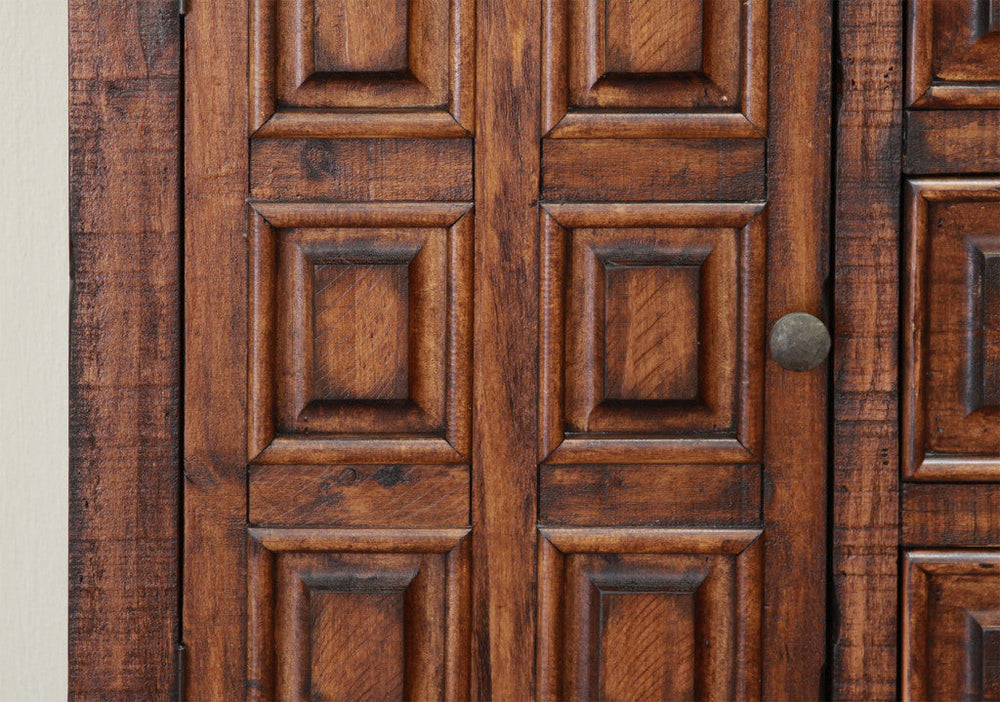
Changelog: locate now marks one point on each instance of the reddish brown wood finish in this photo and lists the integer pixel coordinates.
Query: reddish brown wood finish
(865, 474)
(125, 349)
(361, 508)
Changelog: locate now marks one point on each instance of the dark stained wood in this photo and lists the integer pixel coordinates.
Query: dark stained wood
(359, 496)
(935, 515)
(216, 340)
(653, 169)
(865, 478)
(124, 477)
(795, 504)
(952, 270)
(667, 495)
(361, 169)
(950, 614)
(952, 141)
(687, 600)
(505, 367)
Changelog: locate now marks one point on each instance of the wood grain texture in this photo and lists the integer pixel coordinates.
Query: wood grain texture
(655, 68)
(935, 515)
(865, 478)
(795, 506)
(124, 477)
(216, 274)
(950, 625)
(650, 495)
(649, 614)
(952, 141)
(505, 367)
(361, 169)
(358, 614)
(359, 496)
(660, 170)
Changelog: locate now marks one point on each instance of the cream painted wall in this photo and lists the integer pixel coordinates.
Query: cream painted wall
(34, 313)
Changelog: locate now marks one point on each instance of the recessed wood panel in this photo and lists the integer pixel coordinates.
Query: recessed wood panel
(951, 427)
(652, 329)
(954, 54)
(362, 614)
(637, 42)
(649, 614)
(360, 331)
(353, 312)
(336, 67)
(360, 36)
(951, 625)
(687, 64)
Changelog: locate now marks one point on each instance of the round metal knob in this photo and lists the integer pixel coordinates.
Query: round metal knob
(799, 342)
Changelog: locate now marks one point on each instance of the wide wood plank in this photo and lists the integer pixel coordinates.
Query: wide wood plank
(653, 169)
(216, 334)
(936, 515)
(952, 141)
(795, 508)
(648, 495)
(865, 406)
(359, 496)
(505, 367)
(361, 169)
(125, 349)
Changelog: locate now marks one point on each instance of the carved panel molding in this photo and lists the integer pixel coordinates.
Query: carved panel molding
(360, 332)
(655, 67)
(954, 54)
(649, 614)
(360, 614)
(362, 67)
(951, 323)
(951, 625)
(652, 332)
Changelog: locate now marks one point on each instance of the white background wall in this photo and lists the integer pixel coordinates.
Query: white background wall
(34, 314)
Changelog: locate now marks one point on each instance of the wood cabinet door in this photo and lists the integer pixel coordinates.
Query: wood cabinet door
(478, 400)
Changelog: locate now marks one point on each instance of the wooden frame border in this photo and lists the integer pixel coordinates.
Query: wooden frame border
(125, 235)
(125, 336)
(864, 487)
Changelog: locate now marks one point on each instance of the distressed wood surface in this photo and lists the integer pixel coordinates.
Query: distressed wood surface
(795, 505)
(866, 444)
(125, 349)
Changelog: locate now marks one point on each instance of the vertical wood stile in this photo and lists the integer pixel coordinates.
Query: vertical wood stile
(865, 487)
(505, 385)
(795, 421)
(215, 386)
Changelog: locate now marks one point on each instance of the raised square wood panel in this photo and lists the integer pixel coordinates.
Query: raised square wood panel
(951, 317)
(954, 54)
(362, 614)
(361, 67)
(652, 333)
(951, 625)
(649, 614)
(360, 329)
(664, 66)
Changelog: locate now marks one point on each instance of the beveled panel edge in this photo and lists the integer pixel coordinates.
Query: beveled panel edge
(916, 464)
(650, 540)
(278, 540)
